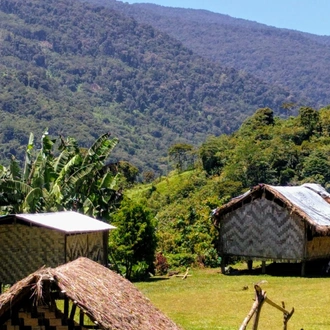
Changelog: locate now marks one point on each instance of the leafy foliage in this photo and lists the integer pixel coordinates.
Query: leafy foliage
(266, 149)
(80, 70)
(181, 154)
(74, 179)
(133, 243)
(296, 60)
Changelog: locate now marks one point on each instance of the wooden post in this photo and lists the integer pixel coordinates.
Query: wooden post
(66, 306)
(73, 311)
(65, 249)
(260, 296)
(286, 316)
(223, 264)
(81, 318)
(303, 268)
(105, 248)
(250, 264)
(263, 267)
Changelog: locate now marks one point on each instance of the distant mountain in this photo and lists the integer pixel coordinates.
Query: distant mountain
(295, 60)
(82, 70)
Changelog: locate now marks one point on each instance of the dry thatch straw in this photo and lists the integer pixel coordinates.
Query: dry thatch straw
(111, 301)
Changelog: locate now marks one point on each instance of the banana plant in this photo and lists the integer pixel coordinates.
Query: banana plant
(75, 179)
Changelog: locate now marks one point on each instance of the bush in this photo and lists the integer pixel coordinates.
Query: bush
(161, 264)
(181, 260)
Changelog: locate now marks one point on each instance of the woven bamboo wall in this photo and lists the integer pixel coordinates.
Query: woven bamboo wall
(319, 247)
(25, 249)
(262, 229)
(85, 245)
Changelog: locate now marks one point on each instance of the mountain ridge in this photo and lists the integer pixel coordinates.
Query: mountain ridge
(82, 70)
(292, 59)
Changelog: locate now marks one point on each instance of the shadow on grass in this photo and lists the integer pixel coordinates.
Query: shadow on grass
(315, 268)
(156, 279)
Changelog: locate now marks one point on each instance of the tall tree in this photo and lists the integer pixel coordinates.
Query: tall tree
(181, 153)
(134, 241)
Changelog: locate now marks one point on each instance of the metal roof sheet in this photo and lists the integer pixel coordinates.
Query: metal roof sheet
(309, 198)
(69, 221)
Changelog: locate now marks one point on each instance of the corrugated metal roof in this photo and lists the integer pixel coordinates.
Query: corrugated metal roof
(69, 222)
(310, 199)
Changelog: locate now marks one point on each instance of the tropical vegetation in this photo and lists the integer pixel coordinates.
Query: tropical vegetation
(292, 59)
(81, 70)
(169, 216)
(69, 178)
(266, 149)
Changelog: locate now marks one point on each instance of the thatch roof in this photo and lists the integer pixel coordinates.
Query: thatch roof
(108, 299)
(308, 201)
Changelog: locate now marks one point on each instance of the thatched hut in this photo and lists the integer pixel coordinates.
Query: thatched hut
(286, 224)
(88, 289)
(30, 241)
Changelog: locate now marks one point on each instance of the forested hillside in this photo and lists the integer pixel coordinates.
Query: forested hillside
(293, 59)
(81, 71)
(265, 149)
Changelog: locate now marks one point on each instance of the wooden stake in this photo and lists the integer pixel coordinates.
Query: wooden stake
(260, 298)
(256, 308)
(186, 274)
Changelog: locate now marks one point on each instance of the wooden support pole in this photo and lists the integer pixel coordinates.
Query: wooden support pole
(66, 306)
(303, 268)
(250, 264)
(223, 264)
(73, 311)
(81, 318)
(105, 248)
(263, 267)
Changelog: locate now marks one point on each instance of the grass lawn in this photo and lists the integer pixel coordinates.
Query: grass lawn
(210, 300)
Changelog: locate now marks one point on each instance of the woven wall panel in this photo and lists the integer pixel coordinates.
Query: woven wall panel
(319, 247)
(85, 245)
(25, 249)
(262, 229)
(95, 246)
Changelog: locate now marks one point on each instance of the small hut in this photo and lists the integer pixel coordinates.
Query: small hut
(30, 241)
(285, 224)
(93, 297)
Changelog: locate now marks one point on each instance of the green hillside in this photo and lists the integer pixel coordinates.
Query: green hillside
(265, 149)
(82, 71)
(295, 60)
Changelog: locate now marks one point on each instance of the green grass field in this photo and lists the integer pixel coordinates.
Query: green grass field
(210, 300)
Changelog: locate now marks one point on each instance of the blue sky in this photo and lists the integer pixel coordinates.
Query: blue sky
(303, 15)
